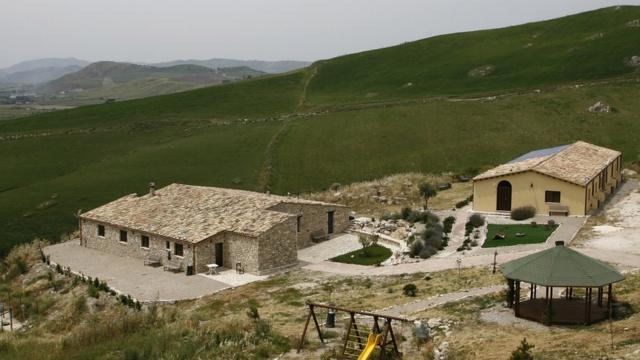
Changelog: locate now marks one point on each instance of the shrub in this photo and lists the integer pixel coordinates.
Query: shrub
(93, 291)
(476, 220)
(534, 224)
(405, 212)
(427, 252)
(447, 224)
(523, 352)
(252, 312)
(426, 217)
(79, 305)
(433, 236)
(59, 269)
(523, 213)
(416, 247)
(461, 204)
(551, 222)
(410, 290)
(421, 333)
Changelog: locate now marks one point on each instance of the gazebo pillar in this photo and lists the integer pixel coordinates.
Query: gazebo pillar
(517, 298)
(609, 299)
(550, 305)
(510, 293)
(599, 296)
(531, 291)
(587, 306)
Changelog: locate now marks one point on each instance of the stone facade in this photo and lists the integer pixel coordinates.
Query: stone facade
(314, 217)
(110, 243)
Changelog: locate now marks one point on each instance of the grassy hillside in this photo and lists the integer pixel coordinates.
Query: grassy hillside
(297, 132)
(586, 46)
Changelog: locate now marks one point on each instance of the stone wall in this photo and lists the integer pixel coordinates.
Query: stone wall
(237, 249)
(111, 243)
(277, 247)
(314, 218)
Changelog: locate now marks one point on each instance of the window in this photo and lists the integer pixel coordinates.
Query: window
(552, 196)
(298, 223)
(123, 236)
(177, 249)
(168, 246)
(101, 230)
(144, 241)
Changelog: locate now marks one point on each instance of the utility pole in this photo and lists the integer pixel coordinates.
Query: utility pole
(459, 262)
(495, 255)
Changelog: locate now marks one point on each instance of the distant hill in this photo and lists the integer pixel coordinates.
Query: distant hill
(38, 75)
(271, 67)
(45, 63)
(447, 103)
(108, 79)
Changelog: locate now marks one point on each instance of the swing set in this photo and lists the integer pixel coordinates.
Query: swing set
(357, 344)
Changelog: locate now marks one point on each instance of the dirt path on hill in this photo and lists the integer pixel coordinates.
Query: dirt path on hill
(266, 170)
(441, 299)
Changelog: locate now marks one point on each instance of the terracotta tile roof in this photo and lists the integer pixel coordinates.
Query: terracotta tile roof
(195, 213)
(577, 163)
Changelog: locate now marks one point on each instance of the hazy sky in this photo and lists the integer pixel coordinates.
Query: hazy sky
(158, 30)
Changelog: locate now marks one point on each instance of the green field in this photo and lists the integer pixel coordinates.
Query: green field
(533, 234)
(291, 133)
(373, 255)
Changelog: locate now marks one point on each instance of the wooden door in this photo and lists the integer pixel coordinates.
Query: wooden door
(503, 202)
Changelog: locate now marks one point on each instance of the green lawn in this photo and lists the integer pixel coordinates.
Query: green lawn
(534, 235)
(375, 254)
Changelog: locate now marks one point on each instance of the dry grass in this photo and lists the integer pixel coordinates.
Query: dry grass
(400, 190)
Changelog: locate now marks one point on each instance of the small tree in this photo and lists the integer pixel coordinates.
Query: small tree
(523, 352)
(366, 241)
(427, 191)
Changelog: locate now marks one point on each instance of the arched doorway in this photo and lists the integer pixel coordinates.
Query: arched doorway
(504, 196)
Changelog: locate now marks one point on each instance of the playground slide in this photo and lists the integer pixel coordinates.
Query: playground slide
(372, 341)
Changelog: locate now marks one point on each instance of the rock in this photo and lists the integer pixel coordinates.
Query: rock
(427, 277)
(633, 61)
(600, 107)
(434, 322)
(629, 172)
(482, 71)
(633, 23)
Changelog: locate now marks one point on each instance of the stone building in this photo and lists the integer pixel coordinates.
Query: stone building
(564, 180)
(182, 225)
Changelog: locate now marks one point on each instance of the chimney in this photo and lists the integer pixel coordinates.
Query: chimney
(152, 188)
(559, 243)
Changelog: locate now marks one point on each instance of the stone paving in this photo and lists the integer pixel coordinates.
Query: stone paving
(341, 244)
(129, 276)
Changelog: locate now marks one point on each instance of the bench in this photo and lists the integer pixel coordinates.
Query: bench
(558, 209)
(318, 236)
(153, 260)
(172, 267)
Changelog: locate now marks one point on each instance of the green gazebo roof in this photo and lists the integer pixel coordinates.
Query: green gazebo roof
(561, 266)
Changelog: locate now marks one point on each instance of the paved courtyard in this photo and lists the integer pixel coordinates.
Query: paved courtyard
(144, 283)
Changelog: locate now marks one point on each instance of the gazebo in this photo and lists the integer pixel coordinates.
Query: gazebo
(560, 267)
